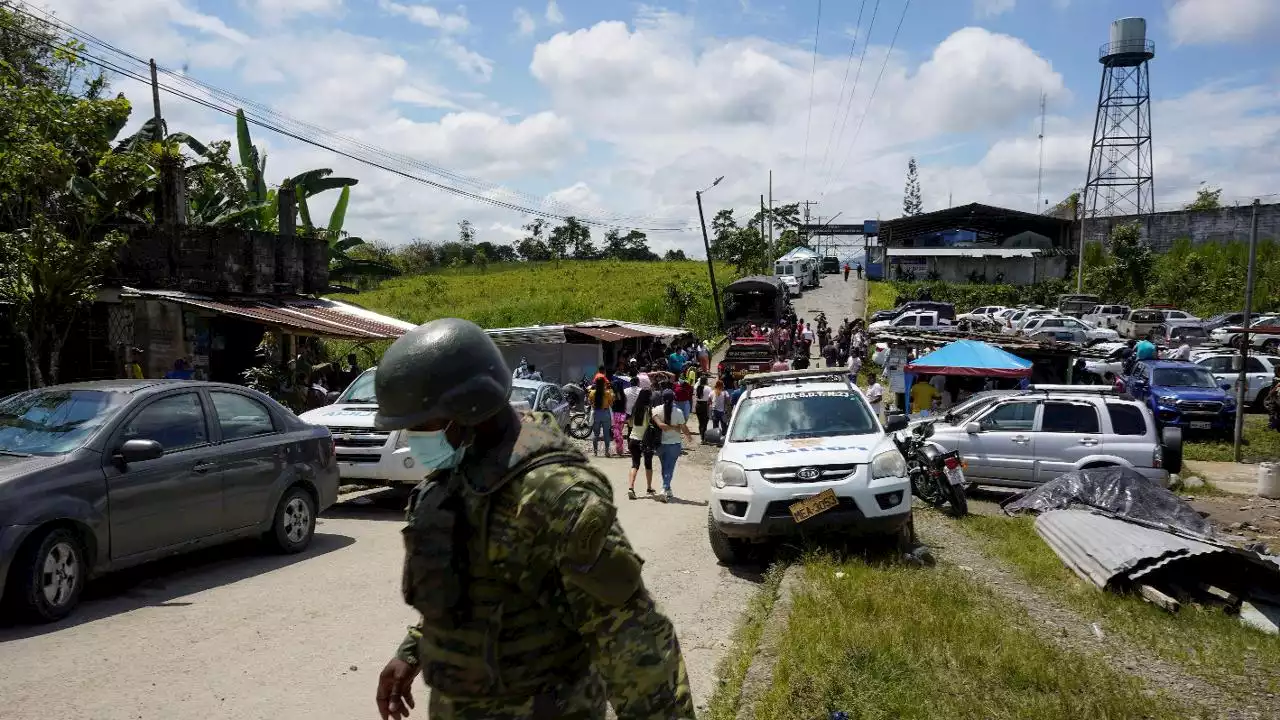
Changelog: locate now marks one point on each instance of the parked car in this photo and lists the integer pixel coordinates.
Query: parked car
(1233, 335)
(1259, 372)
(1106, 316)
(793, 285)
(1110, 365)
(1174, 336)
(1183, 394)
(100, 476)
(1066, 329)
(792, 436)
(911, 320)
(1024, 438)
(986, 312)
(944, 310)
(1139, 323)
(1019, 319)
(1077, 305)
(543, 397)
(1223, 320)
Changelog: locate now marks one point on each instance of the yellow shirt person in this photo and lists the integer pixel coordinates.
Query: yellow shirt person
(922, 395)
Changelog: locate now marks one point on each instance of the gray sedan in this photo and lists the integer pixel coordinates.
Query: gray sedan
(95, 477)
(543, 396)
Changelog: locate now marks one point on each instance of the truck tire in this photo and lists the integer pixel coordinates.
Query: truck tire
(729, 551)
(1171, 447)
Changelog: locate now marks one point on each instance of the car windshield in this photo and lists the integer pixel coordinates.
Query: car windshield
(526, 395)
(360, 392)
(54, 422)
(1196, 377)
(801, 415)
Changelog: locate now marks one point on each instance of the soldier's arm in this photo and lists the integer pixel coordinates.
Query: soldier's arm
(633, 646)
(408, 650)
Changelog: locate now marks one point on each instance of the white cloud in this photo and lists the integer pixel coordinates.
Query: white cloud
(427, 16)
(553, 14)
(525, 24)
(990, 8)
(466, 60)
(1199, 22)
(424, 97)
(278, 10)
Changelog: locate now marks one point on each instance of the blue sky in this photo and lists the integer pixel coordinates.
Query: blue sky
(619, 110)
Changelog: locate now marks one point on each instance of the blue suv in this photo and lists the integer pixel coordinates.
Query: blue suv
(1183, 394)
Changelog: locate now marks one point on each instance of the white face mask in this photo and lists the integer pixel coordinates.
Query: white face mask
(432, 450)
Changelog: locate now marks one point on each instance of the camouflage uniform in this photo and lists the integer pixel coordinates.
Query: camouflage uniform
(549, 616)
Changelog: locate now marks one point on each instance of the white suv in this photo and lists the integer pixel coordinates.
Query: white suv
(794, 435)
(1027, 437)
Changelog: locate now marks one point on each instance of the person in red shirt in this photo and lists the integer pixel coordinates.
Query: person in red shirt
(684, 397)
(846, 272)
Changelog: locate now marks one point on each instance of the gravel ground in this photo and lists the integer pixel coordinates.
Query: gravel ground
(233, 633)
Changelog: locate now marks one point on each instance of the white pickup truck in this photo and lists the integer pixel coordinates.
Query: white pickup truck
(913, 320)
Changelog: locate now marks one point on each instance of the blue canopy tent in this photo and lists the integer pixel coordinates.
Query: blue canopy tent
(973, 359)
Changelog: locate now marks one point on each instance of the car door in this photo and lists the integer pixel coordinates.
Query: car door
(1220, 366)
(1068, 431)
(251, 457)
(1004, 446)
(174, 498)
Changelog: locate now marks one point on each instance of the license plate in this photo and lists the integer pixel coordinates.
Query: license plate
(1200, 425)
(955, 476)
(807, 508)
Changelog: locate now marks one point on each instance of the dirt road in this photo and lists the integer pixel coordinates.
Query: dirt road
(838, 298)
(232, 633)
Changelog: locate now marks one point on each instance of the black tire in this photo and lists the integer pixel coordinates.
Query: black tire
(956, 498)
(729, 551)
(924, 488)
(579, 426)
(1171, 446)
(295, 521)
(36, 594)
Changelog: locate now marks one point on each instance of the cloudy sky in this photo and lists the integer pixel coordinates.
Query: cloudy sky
(615, 109)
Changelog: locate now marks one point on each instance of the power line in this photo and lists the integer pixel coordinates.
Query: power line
(853, 45)
(875, 10)
(813, 74)
(263, 116)
(885, 64)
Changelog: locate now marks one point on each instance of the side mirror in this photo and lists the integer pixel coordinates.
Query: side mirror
(973, 428)
(1225, 386)
(895, 422)
(139, 451)
(714, 437)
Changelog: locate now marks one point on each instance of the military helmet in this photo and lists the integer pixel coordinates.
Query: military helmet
(447, 369)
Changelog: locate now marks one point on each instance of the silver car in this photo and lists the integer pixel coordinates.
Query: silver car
(1028, 437)
(541, 396)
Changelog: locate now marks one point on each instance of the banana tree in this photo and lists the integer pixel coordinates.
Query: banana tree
(343, 268)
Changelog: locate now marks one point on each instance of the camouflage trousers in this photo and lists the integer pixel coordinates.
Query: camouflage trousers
(584, 700)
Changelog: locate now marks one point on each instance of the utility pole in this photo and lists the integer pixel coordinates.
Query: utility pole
(1040, 172)
(155, 101)
(1242, 381)
(772, 249)
(711, 266)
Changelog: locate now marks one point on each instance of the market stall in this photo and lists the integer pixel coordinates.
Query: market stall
(966, 366)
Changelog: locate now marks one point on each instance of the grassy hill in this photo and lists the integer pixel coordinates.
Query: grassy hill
(520, 294)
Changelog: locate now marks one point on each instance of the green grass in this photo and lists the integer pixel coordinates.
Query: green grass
(746, 640)
(880, 296)
(1261, 443)
(1206, 642)
(516, 295)
(905, 643)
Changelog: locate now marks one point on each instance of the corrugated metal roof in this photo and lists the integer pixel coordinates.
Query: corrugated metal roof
(1104, 550)
(799, 253)
(972, 252)
(532, 335)
(661, 331)
(613, 333)
(300, 314)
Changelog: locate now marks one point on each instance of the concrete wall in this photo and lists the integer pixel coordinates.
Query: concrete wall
(1017, 271)
(1222, 225)
(219, 260)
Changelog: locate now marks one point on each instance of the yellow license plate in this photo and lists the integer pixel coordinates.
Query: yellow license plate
(807, 508)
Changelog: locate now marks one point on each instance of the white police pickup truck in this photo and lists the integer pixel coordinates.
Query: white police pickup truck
(365, 454)
(804, 454)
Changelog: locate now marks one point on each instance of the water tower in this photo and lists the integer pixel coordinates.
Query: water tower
(1120, 176)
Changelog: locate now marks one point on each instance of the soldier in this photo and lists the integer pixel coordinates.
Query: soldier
(531, 598)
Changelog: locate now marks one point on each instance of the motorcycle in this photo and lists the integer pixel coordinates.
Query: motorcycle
(579, 414)
(937, 475)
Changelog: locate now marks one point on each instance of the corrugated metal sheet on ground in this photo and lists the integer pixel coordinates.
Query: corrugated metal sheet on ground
(1103, 549)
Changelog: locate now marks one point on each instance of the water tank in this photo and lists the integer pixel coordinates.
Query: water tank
(1129, 33)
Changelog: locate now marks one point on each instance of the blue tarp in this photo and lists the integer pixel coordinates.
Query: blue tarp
(970, 357)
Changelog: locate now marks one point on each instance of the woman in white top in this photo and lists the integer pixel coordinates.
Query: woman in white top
(719, 403)
(702, 406)
(672, 422)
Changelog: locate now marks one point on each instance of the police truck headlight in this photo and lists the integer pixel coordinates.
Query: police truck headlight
(728, 474)
(888, 464)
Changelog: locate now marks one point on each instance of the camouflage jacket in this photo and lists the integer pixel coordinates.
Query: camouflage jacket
(551, 587)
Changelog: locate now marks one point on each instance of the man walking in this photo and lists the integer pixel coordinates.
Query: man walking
(531, 599)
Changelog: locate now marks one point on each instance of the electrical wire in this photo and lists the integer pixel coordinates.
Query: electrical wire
(874, 88)
(269, 119)
(813, 74)
(825, 169)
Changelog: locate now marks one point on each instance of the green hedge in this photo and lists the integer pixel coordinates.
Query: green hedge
(966, 296)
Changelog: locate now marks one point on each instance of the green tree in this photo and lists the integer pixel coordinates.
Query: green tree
(1207, 198)
(912, 204)
(466, 232)
(675, 254)
(681, 296)
(571, 236)
(1127, 269)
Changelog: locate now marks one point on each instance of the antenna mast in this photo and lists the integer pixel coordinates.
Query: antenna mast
(1040, 172)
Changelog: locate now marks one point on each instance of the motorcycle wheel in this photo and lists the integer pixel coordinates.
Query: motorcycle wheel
(579, 426)
(956, 497)
(925, 489)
